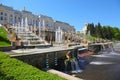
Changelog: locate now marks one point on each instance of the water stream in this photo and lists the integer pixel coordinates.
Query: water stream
(47, 61)
(104, 66)
(74, 65)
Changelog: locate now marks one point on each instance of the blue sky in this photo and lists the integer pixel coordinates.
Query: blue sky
(74, 12)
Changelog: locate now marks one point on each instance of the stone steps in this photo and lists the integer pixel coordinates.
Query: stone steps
(29, 38)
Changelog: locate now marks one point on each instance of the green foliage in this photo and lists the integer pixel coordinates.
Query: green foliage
(3, 55)
(13, 69)
(105, 32)
(4, 37)
(91, 28)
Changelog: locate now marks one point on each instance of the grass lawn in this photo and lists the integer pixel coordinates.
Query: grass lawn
(4, 38)
(13, 69)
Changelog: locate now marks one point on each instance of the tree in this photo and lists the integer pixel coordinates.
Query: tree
(98, 29)
(91, 28)
(116, 33)
(105, 32)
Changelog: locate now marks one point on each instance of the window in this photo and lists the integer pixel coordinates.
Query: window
(15, 19)
(1, 18)
(1, 13)
(46, 24)
(19, 19)
(11, 15)
(5, 18)
(5, 14)
(11, 20)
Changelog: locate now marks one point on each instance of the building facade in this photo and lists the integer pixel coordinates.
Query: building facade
(12, 16)
(64, 26)
(46, 22)
(84, 30)
(52, 25)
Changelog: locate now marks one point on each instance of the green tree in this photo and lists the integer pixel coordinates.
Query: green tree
(105, 32)
(116, 32)
(91, 28)
(98, 29)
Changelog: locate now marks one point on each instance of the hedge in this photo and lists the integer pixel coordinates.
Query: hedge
(13, 69)
(4, 37)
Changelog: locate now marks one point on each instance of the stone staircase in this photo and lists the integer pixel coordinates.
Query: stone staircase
(29, 38)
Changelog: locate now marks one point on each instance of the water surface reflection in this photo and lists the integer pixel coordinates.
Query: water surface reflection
(105, 66)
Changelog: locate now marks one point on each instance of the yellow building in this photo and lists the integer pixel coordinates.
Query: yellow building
(12, 16)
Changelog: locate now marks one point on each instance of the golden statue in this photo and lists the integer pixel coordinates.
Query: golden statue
(51, 39)
(22, 38)
(68, 43)
(67, 56)
(13, 36)
(8, 26)
(46, 55)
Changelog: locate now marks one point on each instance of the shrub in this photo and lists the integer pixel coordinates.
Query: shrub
(3, 55)
(4, 38)
(13, 69)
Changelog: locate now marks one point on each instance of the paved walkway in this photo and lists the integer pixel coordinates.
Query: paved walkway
(39, 51)
(61, 74)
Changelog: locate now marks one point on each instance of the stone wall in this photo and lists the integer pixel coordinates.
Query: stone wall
(55, 59)
(6, 48)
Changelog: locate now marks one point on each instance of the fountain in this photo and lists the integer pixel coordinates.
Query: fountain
(43, 29)
(55, 60)
(71, 64)
(47, 62)
(19, 28)
(30, 39)
(67, 61)
(35, 28)
(75, 63)
(66, 66)
(58, 35)
(103, 50)
(26, 30)
(22, 25)
(39, 29)
(26, 24)
(103, 47)
(113, 52)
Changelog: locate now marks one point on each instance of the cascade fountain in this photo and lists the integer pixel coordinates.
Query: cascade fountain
(26, 26)
(31, 28)
(55, 60)
(22, 25)
(58, 35)
(47, 61)
(19, 28)
(43, 29)
(39, 29)
(66, 61)
(28, 34)
(71, 64)
(35, 28)
(103, 50)
(75, 64)
(113, 52)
